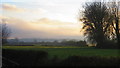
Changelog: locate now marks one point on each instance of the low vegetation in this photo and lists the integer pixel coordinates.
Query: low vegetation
(77, 57)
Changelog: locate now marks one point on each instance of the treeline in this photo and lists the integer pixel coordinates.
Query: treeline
(65, 43)
(16, 42)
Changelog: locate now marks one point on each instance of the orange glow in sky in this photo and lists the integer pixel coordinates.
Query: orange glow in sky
(42, 18)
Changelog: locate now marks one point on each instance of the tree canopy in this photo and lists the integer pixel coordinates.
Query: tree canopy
(97, 20)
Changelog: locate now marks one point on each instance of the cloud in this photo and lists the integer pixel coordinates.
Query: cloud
(42, 28)
(37, 11)
(3, 17)
(10, 7)
(48, 21)
(57, 27)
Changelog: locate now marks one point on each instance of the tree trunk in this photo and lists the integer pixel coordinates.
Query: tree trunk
(117, 31)
(100, 39)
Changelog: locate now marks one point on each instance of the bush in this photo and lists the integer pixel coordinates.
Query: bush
(109, 45)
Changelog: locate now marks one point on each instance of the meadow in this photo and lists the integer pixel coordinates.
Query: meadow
(66, 51)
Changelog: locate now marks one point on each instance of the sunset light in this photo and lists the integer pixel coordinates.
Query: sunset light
(42, 18)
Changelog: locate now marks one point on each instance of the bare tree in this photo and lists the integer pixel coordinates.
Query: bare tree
(5, 33)
(96, 20)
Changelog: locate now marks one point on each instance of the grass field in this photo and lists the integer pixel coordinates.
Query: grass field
(65, 51)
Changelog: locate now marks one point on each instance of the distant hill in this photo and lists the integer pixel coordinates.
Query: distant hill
(39, 40)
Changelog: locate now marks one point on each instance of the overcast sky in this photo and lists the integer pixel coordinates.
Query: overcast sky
(42, 18)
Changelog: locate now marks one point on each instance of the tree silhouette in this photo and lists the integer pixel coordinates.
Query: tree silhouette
(96, 19)
(5, 31)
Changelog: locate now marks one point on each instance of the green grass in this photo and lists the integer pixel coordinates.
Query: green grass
(65, 51)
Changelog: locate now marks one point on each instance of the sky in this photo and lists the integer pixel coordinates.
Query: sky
(58, 19)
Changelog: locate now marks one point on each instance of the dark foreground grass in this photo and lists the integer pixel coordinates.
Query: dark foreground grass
(64, 52)
(39, 58)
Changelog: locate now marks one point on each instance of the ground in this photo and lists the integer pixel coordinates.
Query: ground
(65, 51)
